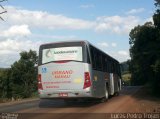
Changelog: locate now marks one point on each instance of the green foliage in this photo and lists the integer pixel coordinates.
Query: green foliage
(23, 75)
(145, 52)
(4, 81)
(20, 80)
(125, 67)
(142, 51)
(157, 3)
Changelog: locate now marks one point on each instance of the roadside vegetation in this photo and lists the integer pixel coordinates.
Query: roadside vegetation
(19, 81)
(145, 53)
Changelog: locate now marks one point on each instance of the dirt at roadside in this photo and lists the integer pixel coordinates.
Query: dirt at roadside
(144, 102)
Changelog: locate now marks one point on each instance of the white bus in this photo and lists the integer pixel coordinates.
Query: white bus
(75, 70)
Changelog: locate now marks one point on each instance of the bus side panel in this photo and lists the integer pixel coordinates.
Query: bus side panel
(98, 84)
(114, 84)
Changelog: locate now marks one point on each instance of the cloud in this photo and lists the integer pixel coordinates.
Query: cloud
(40, 19)
(113, 44)
(8, 59)
(116, 24)
(62, 37)
(103, 44)
(136, 11)
(149, 20)
(16, 30)
(10, 49)
(121, 55)
(10, 46)
(87, 6)
(13, 40)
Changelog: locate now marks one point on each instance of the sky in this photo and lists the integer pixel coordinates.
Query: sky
(104, 23)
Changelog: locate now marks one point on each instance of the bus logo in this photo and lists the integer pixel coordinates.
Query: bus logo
(44, 70)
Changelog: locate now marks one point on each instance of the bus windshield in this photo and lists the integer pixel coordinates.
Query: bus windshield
(62, 53)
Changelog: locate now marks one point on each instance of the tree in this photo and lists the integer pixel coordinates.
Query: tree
(4, 83)
(142, 43)
(145, 52)
(23, 75)
(156, 65)
(157, 3)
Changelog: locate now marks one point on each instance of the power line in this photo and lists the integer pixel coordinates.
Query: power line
(3, 9)
(3, 0)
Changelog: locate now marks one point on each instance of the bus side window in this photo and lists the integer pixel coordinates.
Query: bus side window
(103, 63)
(112, 66)
(117, 69)
(99, 61)
(108, 66)
(93, 57)
(88, 57)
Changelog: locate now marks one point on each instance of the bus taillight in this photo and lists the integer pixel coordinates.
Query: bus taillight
(87, 81)
(40, 82)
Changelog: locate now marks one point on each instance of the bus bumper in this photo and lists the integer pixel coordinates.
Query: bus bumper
(66, 94)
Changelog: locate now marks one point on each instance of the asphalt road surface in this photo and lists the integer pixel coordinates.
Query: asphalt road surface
(43, 109)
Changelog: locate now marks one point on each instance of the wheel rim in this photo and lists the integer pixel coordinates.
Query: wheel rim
(106, 94)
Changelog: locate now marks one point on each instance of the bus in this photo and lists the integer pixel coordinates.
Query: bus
(76, 70)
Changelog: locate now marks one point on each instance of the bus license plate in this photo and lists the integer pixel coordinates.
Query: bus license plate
(63, 94)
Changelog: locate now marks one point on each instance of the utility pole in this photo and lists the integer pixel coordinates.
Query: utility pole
(3, 9)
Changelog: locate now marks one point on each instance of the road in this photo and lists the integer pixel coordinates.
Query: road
(124, 103)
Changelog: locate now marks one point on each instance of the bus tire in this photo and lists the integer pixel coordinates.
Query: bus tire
(105, 98)
(106, 93)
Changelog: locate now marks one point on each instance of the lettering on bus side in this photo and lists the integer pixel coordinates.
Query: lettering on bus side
(62, 74)
(55, 84)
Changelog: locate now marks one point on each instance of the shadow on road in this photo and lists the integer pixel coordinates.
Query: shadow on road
(45, 103)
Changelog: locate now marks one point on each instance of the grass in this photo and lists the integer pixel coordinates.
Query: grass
(33, 95)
